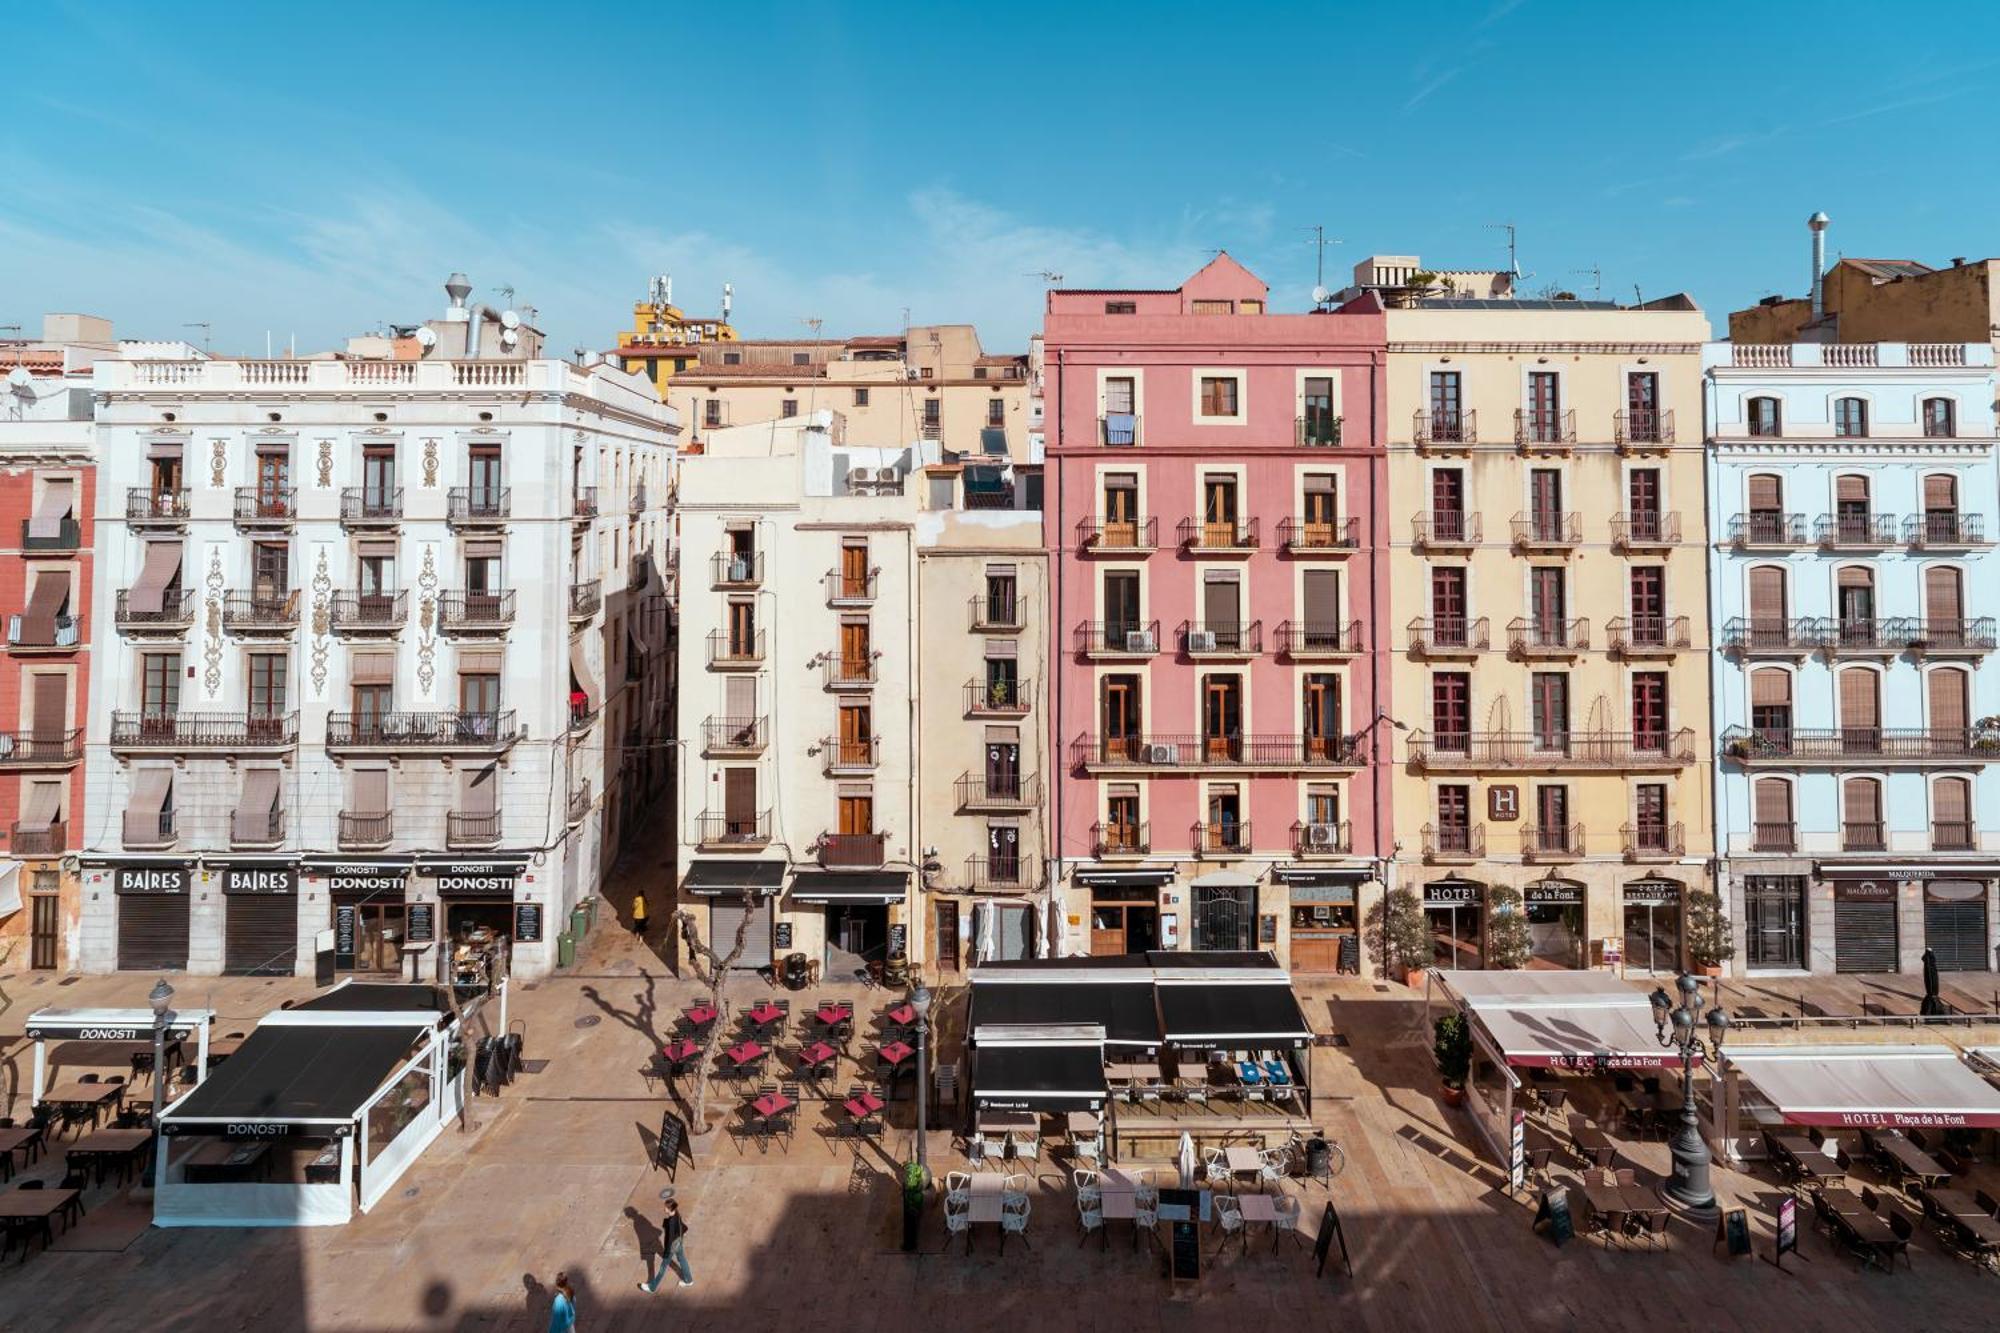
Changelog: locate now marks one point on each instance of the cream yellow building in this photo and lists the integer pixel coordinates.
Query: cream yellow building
(664, 339)
(1551, 632)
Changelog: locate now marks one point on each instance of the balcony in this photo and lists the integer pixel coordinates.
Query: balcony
(638, 500)
(1282, 753)
(1226, 537)
(999, 874)
(996, 613)
(735, 735)
(1767, 531)
(735, 652)
(735, 570)
(1547, 637)
(1445, 530)
(1550, 751)
(722, 832)
(852, 851)
(1319, 537)
(1770, 638)
(362, 830)
(1220, 838)
(65, 539)
(266, 506)
(1645, 530)
(184, 730)
(478, 506)
(1447, 636)
(1444, 843)
(1945, 531)
(257, 828)
(1445, 432)
(1648, 636)
(261, 612)
(1651, 840)
(1121, 839)
(586, 599)
(1855, 532)
(1118, 430)
(1544, 843)
(1541, 432)
(1862, 836)
(1117, 640)
(1948, 638)
(146, 507)
(371, 506)
(50, 841)
(1856, 636)
(1861, 747)
(441, 729)
(1119, 537)
(1642, 430)
(51, 748)
(981, 792)
(1312, 640)
(1548, 530)
(64, 634)
(1221, 640)
(1316, 430)
(1322, 838)
(579, 804)
(996, 698)
(369, 612)
(176, 613)
(1953, 835)
(842, 672)
(583, 506)
(845, 590)
(480, 830)
(476, 612)
(851, 755)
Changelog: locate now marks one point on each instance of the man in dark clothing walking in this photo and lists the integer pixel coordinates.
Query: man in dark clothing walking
(673, 1232)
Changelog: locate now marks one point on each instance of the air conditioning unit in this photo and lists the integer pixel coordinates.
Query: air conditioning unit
(1319, 837)
(1201, 641)
(1163, 754)
(1140, 641)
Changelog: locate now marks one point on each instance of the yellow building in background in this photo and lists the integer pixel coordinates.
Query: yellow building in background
(664, 340)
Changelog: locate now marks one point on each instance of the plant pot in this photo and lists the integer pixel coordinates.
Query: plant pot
(1709, 969)
(1414, 978)
(1451, 1096)
(913, 1220)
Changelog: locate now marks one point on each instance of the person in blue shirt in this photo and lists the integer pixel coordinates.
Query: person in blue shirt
(562, 1311)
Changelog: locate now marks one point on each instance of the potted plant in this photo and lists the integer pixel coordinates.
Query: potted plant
(1451, 1048)
(1406, 937)
(1507, 941)
(1709, 945)
(914, 1183)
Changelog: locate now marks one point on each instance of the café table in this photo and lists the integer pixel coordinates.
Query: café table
(745, 1053)
(1910, 1162)
(90, 1097)
(1961, 1212)
(834, 1011)
(1858, 1224)
(987, 1201)
(1243, 1160)
(1261, 1209)
(25, 1140)
(1083, 1125)
(32, 1210)
(1118, 1190)
(771, 1103)
(118, 1149)
(700, 1015)
(1594, 1145)
(678, 1053)
(895, 1053)
(863, 1105)
(817, 1057)
(1807, 1161)
(902, 1015)
(766, 1014)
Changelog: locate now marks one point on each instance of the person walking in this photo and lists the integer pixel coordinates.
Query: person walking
(673, 1254)
(639, 914)
(562, 1310)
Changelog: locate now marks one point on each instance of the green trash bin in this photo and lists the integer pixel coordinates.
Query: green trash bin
(565, 950)
(579, 921)
(590, 910)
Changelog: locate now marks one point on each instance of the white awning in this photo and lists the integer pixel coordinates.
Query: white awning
(580, 672)
(10, 888)
(163, 561)
(54, 506)
(1906, 1087)
(1561, 1020)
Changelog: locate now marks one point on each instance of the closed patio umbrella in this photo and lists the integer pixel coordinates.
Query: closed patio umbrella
(988, 929)
(1932, 1004)
(1185, 1160)
(1058, 937)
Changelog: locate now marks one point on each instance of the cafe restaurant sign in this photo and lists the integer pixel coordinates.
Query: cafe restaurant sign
(1553, 893)
(477, 879)
(1451, 893)
(152, 879)
(267, 880)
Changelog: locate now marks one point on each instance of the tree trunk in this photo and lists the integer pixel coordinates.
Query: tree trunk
(713, 970)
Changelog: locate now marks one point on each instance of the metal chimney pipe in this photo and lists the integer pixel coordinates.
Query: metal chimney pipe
(1817, 224)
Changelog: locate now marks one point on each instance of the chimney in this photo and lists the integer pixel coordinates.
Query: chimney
(1958, 261)
(1817, 225)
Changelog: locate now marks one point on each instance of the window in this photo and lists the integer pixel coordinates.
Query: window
(996, 412)
(1850, 507)
(378, 478)
(1552, 832)
(1003, 853)
(1451, 711)
(1940, 417)
(1642, 498)
(1861, 815)
(1544, 406)
(160, 675)
(1447, 406)
(1454, 818)
(732, 358)
(479, 692)
(1774, 913)
(1951, 815)
(1213, 307)
(743, 629)
(1120, 394)
(1765, 417)
(1944, 606)
(1118, 703)
(1317, 423)
(267, 685)
(1448, 505)
(1642, 407)
(1850, 417)
(1545, 504)
(1222, 715)
(933, 412)
(1548, 699)
(711, 412)
(1771, 706)
(1121, 307)
(855, 743)
(1854, 601)
(270, 570)
(1320, 714)
(1121, 605)
(1947, 693)
(1771, 815)
(788, 407)
(1649, 818)
(1860, 698)
(482, 474)
(801, 358)
(861, 397)
(1649, 711)
(1941, 522)
(1548, 601)
(1121, 509)
(1649, 606)
(1219, 509)
(1121, 819)
(1218, 396)
(1225, 831)
(1249, 307)
(1448, 610)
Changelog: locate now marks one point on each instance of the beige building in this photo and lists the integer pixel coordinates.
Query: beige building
(1551, 639)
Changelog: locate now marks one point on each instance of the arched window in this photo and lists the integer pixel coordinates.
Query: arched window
(1947, 714)
(1765, 523)
(1853, 524)
(1854, 604)
(1951, 815)
(1942, 525)
(1768, 603)
(1771, 827)
(1850, 416)
(1771, 706)
(1861, 815)
(1944, 606)
(1940, 418)
(1860, 711)
(1766, 418)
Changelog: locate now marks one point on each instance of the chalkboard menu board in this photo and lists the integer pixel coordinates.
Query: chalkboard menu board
(423, 922)
(1734, 1227)
(784, 936)
(899, 940)
(1350, 953)
(343, 938)
(1184, 1252)
(1267, 929)
(1555, 1212)
(527, 923)
(673, 1140)
(1330, 1231)
(1788, 1227)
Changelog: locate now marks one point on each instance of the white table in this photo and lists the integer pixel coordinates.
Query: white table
(1243, 1160)
(1261, 1208)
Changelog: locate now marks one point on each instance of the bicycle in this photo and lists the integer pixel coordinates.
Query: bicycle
(1336, 1158)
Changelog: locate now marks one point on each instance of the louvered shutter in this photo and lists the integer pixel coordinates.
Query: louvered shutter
(1773, 801)
(1767, 594)
(1947, 701)
(1940, 492)
(1770, 688)
(1765, 492)
(1941, 596)
(1851, 490)
(1951, 801)
(1857, 699)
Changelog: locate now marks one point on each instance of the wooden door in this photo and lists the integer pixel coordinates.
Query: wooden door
(854, 654)
(1321, 528)
(274, 477)
(1121, 717)
(1107, 930)
(1222, 715)
(742, 629)
(854, 571)
(1321, 710)
(1121, 512)
(857, 815)
(1219, 511)
(856, 735)
(944, 935)
(1649, 710)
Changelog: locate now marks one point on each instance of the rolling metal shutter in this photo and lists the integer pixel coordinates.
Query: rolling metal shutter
(1864, 935)
(1955, 928)
(724, 917)
(262, 935)
(152, 932)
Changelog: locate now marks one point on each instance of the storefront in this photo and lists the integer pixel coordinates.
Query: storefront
(1225, 912)
(1004, 932)
(1455, 909)
(1864, 925)
(1556, 929)
(153, 904)
(100, 1039)
(733, 891)
(1955, 916)
(1845, 1090)
(1325, 923)
(370, 916)
(855, 910)
(260, 919)
(1652, 927)
(1887, 913)
(1124, 907)
(485, 920)
(1774, 922)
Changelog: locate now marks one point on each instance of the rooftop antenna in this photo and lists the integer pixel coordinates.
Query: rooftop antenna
(1596, 280)
(1320, 293)
(14, 329)
(812, 322)
(201, 324)
(507, 295)
(728, 300)
(1053, 279)
(1513, 258)
(1636, 298)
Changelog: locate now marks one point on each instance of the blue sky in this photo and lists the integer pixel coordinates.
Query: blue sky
(314, 171)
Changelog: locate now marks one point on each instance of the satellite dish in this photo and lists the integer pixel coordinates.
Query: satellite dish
(509, 320)
(508, 337)
(20, 383)
(1320, 295)
(427, 338)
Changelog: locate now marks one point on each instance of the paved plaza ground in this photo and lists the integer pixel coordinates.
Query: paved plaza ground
(553, 1174)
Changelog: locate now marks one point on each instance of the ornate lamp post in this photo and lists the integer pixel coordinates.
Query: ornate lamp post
(161, 998)
(920, 1000)
(1688, 1188)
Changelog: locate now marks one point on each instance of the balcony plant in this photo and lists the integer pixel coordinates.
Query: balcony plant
(1507, 941)
(1709, 943)
(915, 1182)
(1451, 1048)
(1406, 937)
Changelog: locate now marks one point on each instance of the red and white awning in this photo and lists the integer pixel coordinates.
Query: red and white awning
(1901, 1087)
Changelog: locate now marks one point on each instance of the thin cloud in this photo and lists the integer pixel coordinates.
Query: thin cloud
(1727, 144)
(1430, 86)
(1901, 104)
(1498, 12)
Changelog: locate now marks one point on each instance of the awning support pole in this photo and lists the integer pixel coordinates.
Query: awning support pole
(41, 1070)
(201, 1051)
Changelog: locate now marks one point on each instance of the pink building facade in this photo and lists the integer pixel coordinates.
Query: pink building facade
(1216, 513)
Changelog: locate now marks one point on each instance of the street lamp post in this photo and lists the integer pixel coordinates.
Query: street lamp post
(1688, 1188)
(920, 1000)
(161, 998)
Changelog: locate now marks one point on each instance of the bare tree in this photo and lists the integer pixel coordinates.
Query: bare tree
(712, 970)
(6, 1003)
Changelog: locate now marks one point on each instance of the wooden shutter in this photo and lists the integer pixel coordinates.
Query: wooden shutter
(1448, 593)
(1649, 708)
(51, 704)
(371, 791)
(1850, 490)
(739, 795)
(1766, 492)
(1322, 599)
(1767, 593)
(1947, 700)
(1940, 492)
(1220, 603)
(1770, 688)
(1941, 595)
(1649, 593)
(1857, 699)
(1854, 576)
(1447, 490)
(1951, 801)
(1773, 801)
(1861, 801)
(1644, 489)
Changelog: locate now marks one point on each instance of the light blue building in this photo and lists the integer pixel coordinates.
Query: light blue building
(1851, 514)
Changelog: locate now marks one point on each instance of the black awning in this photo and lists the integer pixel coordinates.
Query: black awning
(303, 1075)
(832, 886)
(1322, 876)
(377, 998)
(1123, 1009)
(1232, 1015)
(1090, 877)
(1038, 1078)
(713, 877)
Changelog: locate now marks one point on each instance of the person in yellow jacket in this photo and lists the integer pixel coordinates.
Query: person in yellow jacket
(639, 914)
